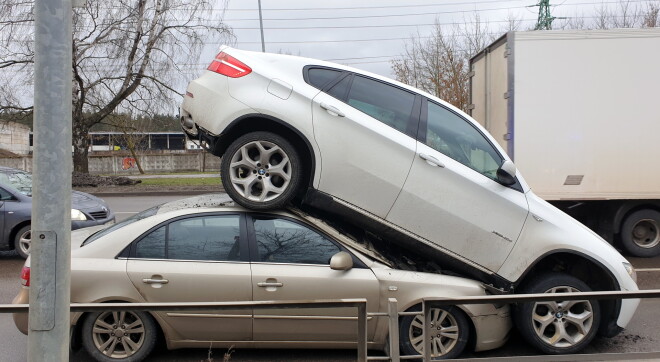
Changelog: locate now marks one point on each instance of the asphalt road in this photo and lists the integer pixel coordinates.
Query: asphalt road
(642, 334)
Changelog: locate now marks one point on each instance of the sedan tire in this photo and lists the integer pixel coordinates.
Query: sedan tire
(450, 330)
(22, 241)
(119, 336)
(261, 171)
(558, 327)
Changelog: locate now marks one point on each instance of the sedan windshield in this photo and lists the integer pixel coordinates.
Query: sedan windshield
(22, 181)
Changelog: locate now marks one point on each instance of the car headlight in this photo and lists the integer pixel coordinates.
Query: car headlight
(77, 215)
(631, 271)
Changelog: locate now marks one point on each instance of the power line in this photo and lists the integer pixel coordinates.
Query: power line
(352, 8)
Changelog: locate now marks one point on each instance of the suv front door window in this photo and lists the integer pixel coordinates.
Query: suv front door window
(455, 137)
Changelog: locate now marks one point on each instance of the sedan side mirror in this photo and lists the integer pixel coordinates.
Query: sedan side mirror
(506, 174)
(341, 261)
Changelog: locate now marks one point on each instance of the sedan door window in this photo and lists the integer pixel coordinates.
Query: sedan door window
(386, 103)
(214, 238)
(455, 137)
(284, 241)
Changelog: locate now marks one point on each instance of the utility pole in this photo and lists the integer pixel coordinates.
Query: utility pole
(50, 249)
(545, 19)
(261, 26)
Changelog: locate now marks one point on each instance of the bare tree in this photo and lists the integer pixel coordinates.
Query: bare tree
(126, 56)
(134, 133)
(440, 64)
(627, 15)
(651, 15)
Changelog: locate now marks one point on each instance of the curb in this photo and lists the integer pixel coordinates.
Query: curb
(153, 193)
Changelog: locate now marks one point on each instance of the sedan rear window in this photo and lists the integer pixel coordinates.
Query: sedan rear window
(139, 216)
(320, 77)
(213, 238)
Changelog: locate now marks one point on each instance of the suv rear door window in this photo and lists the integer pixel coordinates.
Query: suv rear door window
(319, 77)
(388, 104)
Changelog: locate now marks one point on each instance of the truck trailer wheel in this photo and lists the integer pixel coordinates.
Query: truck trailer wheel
(640, 233)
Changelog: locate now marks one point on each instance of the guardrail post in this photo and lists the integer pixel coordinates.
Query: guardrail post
(393, 312)
(427, 337)
(362, 332)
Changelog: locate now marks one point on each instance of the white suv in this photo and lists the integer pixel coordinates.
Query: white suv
(413, 170)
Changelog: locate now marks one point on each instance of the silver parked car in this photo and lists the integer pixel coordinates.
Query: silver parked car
(197, 250)
(16, 210)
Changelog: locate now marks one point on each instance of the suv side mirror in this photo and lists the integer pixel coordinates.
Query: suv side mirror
(341, 261)
(506, 174)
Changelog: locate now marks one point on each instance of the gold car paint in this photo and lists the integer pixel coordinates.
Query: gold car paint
(212, 282)
(327, 324)
(410, 289)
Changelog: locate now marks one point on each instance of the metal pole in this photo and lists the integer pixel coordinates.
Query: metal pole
(427, 337)
(393, 312)
(362, 332)
(51, 188)
(261, 26)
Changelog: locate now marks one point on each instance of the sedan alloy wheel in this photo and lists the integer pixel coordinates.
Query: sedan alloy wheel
(23, 241)
(118, 336)
(448, 330)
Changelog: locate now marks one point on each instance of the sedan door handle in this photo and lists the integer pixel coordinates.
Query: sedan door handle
(155, 281)
(331, 109)
(431, 160)
(269, 284)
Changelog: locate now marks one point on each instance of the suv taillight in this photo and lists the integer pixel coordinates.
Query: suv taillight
(227, 65)
(25, 276)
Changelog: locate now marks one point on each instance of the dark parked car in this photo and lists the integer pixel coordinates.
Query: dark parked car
(16, 210)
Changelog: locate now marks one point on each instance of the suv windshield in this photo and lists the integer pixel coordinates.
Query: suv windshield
(139, 216)
(21, 181)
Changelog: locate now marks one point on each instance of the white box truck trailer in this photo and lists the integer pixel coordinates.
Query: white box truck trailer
(579, 113)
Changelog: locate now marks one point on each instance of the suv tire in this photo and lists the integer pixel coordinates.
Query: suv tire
(261, 171)
(558, 327)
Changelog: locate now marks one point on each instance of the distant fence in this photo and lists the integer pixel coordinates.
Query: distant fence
(122, 163)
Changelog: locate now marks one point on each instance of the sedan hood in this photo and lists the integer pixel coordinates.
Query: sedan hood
(81, 200)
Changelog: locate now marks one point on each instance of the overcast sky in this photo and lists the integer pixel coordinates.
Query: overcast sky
(368, 34)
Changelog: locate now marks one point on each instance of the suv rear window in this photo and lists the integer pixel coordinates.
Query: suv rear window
(319, 77)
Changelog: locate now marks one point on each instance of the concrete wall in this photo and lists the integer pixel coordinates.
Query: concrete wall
(122, 164)
(15, 137)
(22, 163)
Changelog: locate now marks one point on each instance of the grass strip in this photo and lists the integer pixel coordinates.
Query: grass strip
(178, 181)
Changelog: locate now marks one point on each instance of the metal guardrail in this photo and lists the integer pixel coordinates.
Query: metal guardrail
(393, 315)
(359, 303)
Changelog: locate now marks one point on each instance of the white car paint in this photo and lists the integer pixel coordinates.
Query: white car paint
(377, 170)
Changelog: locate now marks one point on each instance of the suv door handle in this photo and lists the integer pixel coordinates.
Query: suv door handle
(331, 109)
(431, 160)
(269, 284)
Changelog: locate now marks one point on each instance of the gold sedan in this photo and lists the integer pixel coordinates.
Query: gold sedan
(201, 250)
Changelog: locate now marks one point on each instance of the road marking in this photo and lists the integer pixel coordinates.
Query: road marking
(647, 269)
